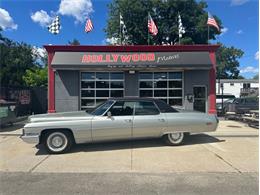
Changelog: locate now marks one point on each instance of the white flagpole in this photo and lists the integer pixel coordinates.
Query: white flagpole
(148, 41)
(120, 28)
(208, 34)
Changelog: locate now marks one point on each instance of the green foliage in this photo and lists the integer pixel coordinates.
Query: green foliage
(17, 60)
(74, 42)
(36, 77)
(256, 77)
(165, 14)
(227, 62)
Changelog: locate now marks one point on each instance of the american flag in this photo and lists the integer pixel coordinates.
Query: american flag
(212, 21)
(89, 26)
(151, 26)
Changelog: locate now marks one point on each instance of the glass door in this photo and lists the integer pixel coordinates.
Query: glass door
(200, 98)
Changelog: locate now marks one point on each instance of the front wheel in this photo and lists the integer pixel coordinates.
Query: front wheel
(174, 139)
(57, 142)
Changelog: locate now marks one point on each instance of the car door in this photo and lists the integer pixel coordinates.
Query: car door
(240, 105)
(148, 121)
(117, 126)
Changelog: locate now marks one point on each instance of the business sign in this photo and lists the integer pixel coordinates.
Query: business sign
(129, 59)
(24, 97)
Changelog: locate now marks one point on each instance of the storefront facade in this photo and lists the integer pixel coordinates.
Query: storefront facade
(82, 77)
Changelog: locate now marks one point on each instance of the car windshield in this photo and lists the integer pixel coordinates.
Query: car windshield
(229, 101)
(102, 108)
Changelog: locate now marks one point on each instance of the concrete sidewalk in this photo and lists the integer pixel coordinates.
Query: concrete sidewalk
(232, 148)
(229, 128)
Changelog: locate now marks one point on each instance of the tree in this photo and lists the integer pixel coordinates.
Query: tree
(16, 58)
(36, 77)
(227, 62)
(20, 66)
(256, 77)
(165, 15)
(74, 42)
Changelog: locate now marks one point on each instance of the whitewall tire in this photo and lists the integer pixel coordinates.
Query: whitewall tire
(57, 142)
(174, 139)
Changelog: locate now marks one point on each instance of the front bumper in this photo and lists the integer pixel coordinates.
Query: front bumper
(31, 139)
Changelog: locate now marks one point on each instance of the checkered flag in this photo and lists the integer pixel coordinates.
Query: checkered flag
(181, 28)
(54, 27)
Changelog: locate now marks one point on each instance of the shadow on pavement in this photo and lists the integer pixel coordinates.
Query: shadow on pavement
(148, 143)
(13, 127)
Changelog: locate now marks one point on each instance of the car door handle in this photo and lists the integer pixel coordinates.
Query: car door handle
(161, 119)
(128, 120)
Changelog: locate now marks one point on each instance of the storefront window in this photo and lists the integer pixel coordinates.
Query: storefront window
(146, 84)
(102, 76)
(146, 75)
(175, 75)
(116, 76)
(117, 93)
(175, 84)
(97, 87)
(160, 84)
(87, 102)
(117, 84)
(146, 93)
(88, 75)
(167, 86)
(102, 84)
(87, 84)
(160, 75)
(87, 93)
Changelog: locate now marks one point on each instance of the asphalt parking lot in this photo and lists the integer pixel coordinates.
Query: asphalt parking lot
(231, 151)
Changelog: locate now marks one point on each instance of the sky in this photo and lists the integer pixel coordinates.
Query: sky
(27, 21)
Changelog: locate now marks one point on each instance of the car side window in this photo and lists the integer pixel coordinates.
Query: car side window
(251, 101)
(122, 108)
(146, 108)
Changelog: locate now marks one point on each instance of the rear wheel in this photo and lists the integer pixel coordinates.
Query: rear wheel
(174, 139)
(57, 142)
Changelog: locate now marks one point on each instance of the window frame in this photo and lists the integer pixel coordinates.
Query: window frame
(168, 88)
(95, 89)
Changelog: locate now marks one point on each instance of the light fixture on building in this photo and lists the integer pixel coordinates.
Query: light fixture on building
(131, 71)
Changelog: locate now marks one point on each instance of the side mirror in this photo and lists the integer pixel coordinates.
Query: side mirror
(109, 115)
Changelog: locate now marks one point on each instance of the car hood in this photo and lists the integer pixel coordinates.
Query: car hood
(61, 116)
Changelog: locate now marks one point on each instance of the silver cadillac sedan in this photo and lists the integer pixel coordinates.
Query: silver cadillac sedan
(116, 119)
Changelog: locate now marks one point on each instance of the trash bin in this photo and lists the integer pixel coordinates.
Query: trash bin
(7, 112)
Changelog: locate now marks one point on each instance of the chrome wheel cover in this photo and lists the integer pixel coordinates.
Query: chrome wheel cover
(175, 138)
(57, 141)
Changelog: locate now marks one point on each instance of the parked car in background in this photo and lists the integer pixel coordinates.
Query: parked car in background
(116, 119)
(225, 106)
(225, 97)
(239, 105)
(244, 105)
